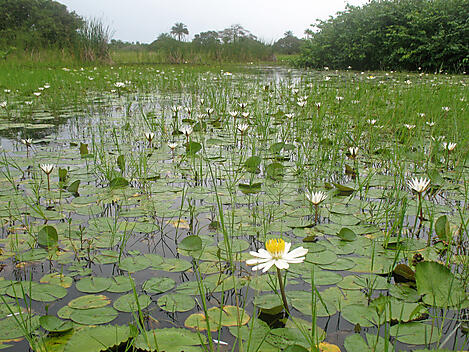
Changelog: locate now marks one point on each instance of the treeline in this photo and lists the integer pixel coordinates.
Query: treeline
(28, 26)
(234, 44)
(428, 35)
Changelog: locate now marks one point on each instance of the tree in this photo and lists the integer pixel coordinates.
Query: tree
(289, 44)
(206, 39)
(235, 33)
(37, 23)
(179, 30)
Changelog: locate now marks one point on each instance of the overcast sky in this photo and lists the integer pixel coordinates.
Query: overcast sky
(144, 20)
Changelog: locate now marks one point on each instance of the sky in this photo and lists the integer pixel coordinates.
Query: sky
(144, 20)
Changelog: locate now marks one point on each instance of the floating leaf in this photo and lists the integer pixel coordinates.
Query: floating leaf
(93, 284)
(172, 339)
(158, 285)
(191, 243)
(94, 316)
(54, 324)
(415, 333)
(217, 317)
(118, 182)
(99, 338)
(127, 303)
(193, 148)
(47, 236)
(345, 234)
(176, 302)
(443, 229)
(89, 301)
(252, 164)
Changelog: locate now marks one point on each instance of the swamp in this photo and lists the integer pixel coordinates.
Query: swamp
(133, 198)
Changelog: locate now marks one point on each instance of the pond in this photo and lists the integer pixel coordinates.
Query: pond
(133, 198)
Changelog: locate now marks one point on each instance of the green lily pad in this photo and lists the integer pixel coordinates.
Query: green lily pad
(134, 264)
(54, 324)
(169, 339)
(158, 285)
(415, 333)
(98, 338)
(176, 302)
(17, 326)
(127, 303)
(89, 301)
(94, 316)
(120, 284)
(93, 284)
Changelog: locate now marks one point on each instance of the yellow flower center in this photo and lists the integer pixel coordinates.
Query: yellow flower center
(275, 247)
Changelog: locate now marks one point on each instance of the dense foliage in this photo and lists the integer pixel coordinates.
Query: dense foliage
(37, 23)
(432, 35)
(27, 26)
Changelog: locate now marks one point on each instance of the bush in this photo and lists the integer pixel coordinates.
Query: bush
(393, 34)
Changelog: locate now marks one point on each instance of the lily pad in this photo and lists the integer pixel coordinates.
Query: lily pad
(94, 316)
(176, 302)
(127, 303)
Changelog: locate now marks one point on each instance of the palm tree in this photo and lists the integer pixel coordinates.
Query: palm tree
(179, 30)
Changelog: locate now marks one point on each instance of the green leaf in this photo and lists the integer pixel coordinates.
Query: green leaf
(275, 171)
(118, 182)
(415, 333)
(93, 284)
(89, 301)
(127, 303)
(47, 236)
(54, 324)
(252, 164)
(169, 339)
(83, 149)
(346, 234)
(176, 302)
(94, 316)
(439, 286)
(442, 229)
(73, 187)
(158, 285)
(191, 243)
(193, 148)
(98, 338)
(121, 162)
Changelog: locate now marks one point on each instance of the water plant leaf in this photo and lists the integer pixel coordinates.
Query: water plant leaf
(15, 327)
(169, 339)
(47, 236)
(127, 303)
(443, 229)
(73, 187)
(218, 317)
(345, 234)
(83, 149)
(193, 148)
(252, 188)
(121, 162)
(118, 182)
(343, 190)
(120, 284)
(269, 304)
(57, 279)
(176, 302)
(89, 301)
(252, 164)
(438, 285)
(134, 264)
(275, 171)
(54, 324)
(191, 243)
(158, 285)
(94, 316)
(356, 343)
(98, 338)
(93, 284)
(415, 333)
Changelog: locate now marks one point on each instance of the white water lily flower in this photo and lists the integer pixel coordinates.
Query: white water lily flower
(27, 142)
(3, 104)
(409, 127)
(149, 136)
(419, 185)
(186, 130)
(47, 168)
(353, 151)
(430, 123)
(276, 253)
(119, 84)
(445, 108)
(371, 122)
(316, 197)
(172, 145)
(233, 113)
(243, 127)
(449, 146)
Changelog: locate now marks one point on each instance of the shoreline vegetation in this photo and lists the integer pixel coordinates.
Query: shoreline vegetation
(407, 36)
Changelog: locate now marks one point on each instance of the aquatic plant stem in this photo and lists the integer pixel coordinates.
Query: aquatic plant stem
(282, 291)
